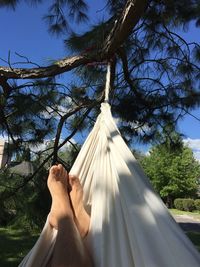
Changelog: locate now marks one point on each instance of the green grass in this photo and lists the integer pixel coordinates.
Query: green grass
(14, 245)
(195, 214)
(195, 238)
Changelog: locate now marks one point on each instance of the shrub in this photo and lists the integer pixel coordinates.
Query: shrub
(178, 203)
(185, 204)
(188, 204)
(197, 204)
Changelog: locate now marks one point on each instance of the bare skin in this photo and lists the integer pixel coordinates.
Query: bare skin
(81, 217)
(58, 183)
(70, 218)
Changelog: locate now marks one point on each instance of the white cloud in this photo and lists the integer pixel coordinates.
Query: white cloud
(55, 111)
(197, 155)
(147, 153)
(194, 144)
(117, 120)
(41, 146)
(44, 145)
(134, 125)
(4, 137)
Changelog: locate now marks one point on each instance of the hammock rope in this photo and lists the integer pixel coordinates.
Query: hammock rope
(107, 86)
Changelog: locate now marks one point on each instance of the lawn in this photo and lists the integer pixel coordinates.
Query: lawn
(195, 214)
(195, 238)
(14, 245)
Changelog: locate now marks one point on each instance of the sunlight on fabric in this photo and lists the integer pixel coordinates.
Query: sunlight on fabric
(130, 226)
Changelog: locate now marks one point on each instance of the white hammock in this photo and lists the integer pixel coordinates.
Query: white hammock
(130, 226)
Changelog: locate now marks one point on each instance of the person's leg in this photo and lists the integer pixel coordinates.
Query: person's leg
(69, 250)
(81, 217)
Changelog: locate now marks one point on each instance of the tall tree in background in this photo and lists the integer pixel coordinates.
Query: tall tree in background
(172, 170)
(156, 81)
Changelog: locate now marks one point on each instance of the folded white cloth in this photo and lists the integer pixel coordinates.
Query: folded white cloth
(130, 226)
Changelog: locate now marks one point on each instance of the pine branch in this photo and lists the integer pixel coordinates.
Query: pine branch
(130, 16)
(61, 123)
(123, 56)
(58, 67)
(5, 195)
(5, 86)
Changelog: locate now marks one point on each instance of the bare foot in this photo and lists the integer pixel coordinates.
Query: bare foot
(82, 218)
(58, 184)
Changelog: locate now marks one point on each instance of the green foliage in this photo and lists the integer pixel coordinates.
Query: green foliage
(69, 154)
(9, 3)
(178, 203)
(14, 245)
(161, 71)
(188, 205)
(162, 79)
(91, 40)
(161, 84)
(173, 171)
(29, 202)
(30, 122)
(30, 206)
(197, 204)
(184, 204)
(60, 13)
(66, 155)
(195, 238)
(138, 155)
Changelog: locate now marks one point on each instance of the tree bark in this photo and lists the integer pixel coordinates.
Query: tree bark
(130, 16)
(58, 67)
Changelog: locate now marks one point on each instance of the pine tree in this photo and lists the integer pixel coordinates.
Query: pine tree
(155, 72)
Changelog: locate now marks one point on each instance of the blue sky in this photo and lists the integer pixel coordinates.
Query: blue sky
(24, 32)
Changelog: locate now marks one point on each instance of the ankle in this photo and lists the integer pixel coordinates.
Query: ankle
(64, 222)
(83, 222)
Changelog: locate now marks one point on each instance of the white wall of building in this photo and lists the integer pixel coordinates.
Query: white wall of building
(3, 153)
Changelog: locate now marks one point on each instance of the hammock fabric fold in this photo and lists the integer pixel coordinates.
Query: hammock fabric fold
(130, 226)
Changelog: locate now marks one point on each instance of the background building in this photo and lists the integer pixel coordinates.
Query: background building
(4, 155)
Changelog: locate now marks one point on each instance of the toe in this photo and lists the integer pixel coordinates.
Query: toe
(75, 184)
(60, 170)
(53, 171)
(65, 174)
(74, 181)
(62, 173)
